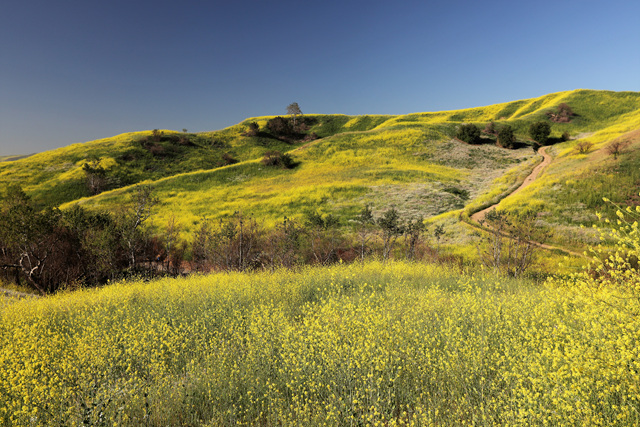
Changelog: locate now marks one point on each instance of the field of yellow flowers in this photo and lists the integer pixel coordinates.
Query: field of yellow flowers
(361, 344)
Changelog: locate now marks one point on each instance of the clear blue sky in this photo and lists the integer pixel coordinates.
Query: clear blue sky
(73, 71)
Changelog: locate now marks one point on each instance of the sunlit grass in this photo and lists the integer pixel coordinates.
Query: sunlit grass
(380, 160)
(397, 344)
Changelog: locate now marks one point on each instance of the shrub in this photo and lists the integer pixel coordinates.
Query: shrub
(469, 133)
(252, 130)
(278, 159)
(490, 129)
(509, 247)
(280, 127)
(506, 137)
(539, 132)
(228, 159)
(563, 114)
(584, 147)
(616, 271)
(615, 148)
(157, 135)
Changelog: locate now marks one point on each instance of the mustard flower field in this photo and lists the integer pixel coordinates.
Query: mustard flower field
(361, 344)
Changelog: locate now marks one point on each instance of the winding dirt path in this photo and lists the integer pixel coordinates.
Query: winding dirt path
(546, 160)
(479, 216)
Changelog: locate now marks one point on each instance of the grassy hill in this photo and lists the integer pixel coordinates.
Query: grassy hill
(410, 161)
(374, 343)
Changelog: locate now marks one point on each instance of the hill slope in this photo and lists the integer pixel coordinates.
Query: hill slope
(410, 161)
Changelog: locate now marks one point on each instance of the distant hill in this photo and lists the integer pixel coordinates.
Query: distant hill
(413, 162)
(12, 158)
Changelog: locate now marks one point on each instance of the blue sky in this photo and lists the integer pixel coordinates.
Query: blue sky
(73, 71)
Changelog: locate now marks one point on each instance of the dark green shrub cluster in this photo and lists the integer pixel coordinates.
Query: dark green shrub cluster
(278, 159)
(539, 132)
(506, 137)
(469, 133)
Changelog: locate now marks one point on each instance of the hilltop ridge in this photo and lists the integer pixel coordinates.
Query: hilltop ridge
(412, 162)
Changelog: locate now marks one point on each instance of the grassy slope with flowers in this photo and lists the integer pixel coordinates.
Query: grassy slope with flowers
(373, 344)
(409, 161)
(394, 344)
(412, 163)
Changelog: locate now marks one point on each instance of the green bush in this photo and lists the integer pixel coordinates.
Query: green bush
(539, 132)
(469, 133)
(506, 137)
(278, 159)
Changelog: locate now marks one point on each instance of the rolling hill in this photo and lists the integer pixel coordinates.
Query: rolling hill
(411, 162)
(378, 342)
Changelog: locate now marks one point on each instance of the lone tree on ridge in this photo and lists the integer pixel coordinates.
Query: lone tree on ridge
(294, 109)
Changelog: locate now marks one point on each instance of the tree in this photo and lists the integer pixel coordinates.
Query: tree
(469, 133)
(539, 132)
(511, 243)
(294, 110)
(35, 243)
(200, 248)
(506, 137)
(236, 244)
(323, 234)
(391, 228)
(413, 231)
(282, 247)
(96, 177)
(99, 246)
(173, 247)
(365, 223)
(130, 223)
(438, 232)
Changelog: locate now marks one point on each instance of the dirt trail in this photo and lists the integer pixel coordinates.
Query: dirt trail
(546, 160)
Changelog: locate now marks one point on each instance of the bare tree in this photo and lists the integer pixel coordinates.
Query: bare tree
(615, 148)
(282, 246)
(323, 235)
(96, 177)
(413, 232)
(131, 222)
(511, 243)
(366, 225)
(391, 229)
(294, 110)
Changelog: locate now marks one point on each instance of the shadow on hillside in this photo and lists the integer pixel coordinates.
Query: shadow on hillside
(554, 140)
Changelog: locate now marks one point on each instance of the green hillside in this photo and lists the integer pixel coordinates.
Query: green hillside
(437, 336)
(411, 162)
